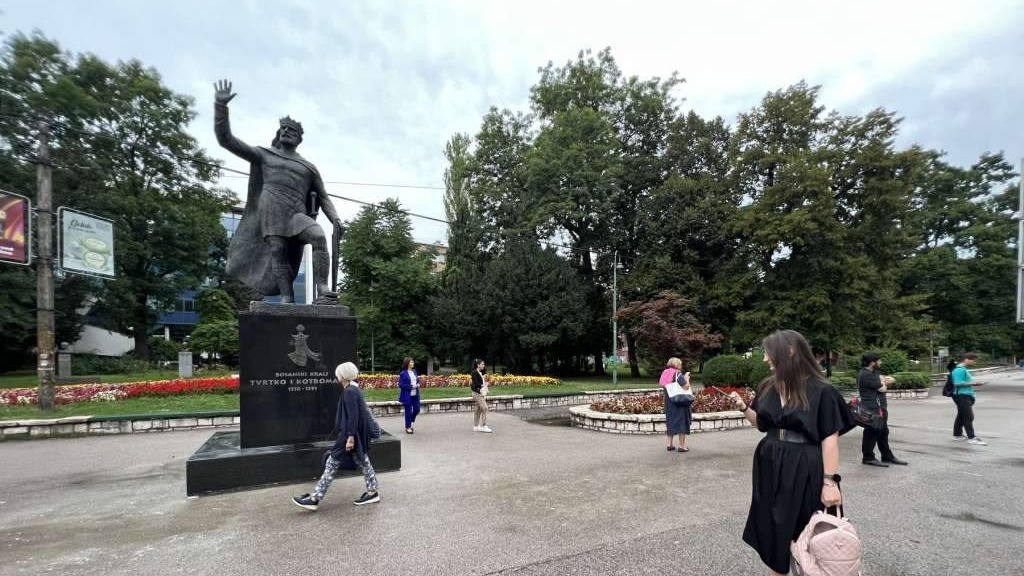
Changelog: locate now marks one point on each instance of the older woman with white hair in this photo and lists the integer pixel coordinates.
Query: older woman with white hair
(355, 427)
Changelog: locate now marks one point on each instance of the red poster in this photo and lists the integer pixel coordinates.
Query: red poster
(14, 228)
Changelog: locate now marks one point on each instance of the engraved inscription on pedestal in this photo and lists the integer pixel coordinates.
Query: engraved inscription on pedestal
(287, 384)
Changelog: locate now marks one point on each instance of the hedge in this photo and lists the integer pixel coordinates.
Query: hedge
(893, 361)
(726, 370)
(910, 381)
(844, 381)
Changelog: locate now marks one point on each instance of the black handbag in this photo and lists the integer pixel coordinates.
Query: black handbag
(865, 417)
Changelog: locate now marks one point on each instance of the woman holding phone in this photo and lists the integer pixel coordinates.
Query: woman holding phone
(796, 464)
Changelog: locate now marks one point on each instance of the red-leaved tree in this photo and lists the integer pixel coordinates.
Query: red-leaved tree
(664, 326)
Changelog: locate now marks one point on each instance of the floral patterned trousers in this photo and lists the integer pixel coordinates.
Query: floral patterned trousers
(332, 468)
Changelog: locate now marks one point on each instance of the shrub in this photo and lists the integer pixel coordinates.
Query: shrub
(89, 364)
(727, 369)
(759, 370)
(843, 381)
(218, 338)
(894, 361)
(705, 401)
(910, 381)
(163, 350)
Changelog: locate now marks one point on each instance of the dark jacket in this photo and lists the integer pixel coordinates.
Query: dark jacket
(353, 418)
(405, 386)
(868, 383)
(478, 382)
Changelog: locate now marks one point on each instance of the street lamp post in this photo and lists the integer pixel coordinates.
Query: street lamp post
(615, 321)
(373, 357)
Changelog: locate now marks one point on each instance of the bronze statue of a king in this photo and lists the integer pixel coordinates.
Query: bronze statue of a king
(285, 195)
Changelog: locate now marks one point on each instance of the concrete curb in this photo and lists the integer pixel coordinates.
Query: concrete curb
(128, 424)
(72, 426)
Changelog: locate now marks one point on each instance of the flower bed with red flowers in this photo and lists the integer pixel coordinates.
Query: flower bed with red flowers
(704, 401)
(383, 381)
(229, 385)
(112, 392)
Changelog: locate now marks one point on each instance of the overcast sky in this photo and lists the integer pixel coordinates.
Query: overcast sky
(381, 86)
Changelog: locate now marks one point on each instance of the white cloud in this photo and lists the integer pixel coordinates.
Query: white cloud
(379, 87)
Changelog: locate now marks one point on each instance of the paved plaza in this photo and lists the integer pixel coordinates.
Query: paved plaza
(531, 499)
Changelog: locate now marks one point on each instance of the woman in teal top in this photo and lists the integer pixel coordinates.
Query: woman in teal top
(963, 396)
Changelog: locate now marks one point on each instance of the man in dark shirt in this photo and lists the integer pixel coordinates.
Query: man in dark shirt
(872, 389)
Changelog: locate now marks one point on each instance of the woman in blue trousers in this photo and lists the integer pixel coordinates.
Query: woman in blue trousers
(409, 395)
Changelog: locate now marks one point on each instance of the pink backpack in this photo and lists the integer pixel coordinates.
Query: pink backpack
(828, 546)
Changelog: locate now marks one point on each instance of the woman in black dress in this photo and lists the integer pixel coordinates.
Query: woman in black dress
(796, 464)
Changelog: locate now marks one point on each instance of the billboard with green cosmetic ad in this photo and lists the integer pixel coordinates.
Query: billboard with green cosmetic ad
(86, 243)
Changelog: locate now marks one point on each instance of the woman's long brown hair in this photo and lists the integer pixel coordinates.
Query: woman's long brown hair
(405, 363)
(794, 366)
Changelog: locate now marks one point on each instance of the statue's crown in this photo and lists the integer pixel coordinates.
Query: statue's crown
(287, 121)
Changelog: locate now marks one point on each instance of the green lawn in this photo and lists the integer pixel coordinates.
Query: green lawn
(30, 380)
(166, 405)
(208, 402)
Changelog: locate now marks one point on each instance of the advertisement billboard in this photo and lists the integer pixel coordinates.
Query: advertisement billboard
(15, 228)
(86, 243)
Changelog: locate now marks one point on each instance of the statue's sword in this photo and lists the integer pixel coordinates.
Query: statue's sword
(335, 256)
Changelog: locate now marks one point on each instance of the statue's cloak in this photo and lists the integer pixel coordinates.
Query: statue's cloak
(249, 257)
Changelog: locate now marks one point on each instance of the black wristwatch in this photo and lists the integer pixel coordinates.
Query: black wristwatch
(834, 477)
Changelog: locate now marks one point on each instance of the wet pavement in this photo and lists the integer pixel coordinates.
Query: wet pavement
(535, 497)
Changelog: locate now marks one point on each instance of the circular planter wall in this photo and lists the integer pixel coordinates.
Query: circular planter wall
(584, 417)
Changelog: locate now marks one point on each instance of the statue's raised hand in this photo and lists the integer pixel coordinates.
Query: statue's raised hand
(223, 93)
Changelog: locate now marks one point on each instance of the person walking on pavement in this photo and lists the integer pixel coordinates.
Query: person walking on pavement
(963, 396)
(872, 386)
(409, 395)
(355, 427)
(796, 464)
(479, 388)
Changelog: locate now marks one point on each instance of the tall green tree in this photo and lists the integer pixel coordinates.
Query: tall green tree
(454, 333)
(120, 150)
(497, 177)
(217, 331)
(685, 243)
(388, 283)
(964, 266)
(826, 193)
(533, 309)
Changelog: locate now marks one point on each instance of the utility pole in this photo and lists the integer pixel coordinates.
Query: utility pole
(44, 270)
(615, 320)
(373, 355)
(1020, 247)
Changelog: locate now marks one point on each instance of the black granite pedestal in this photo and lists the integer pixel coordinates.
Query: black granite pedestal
(288, 398)
(222, 464)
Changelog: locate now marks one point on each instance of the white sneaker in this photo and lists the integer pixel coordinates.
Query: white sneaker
(476, 428)
(486, 428)
(977, 441)
(959, 438)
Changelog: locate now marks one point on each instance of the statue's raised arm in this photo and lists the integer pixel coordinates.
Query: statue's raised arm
(222, 126)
